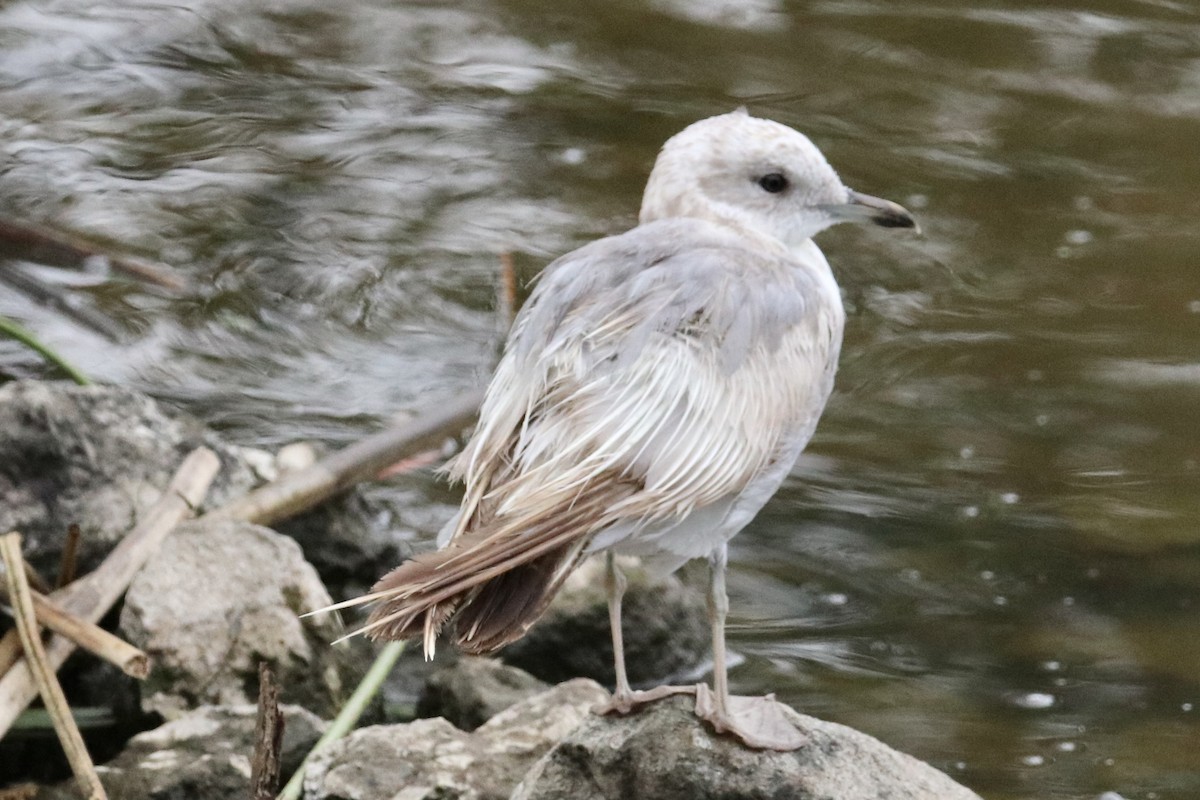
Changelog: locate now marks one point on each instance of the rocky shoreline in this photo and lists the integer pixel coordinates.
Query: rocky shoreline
(221, 596)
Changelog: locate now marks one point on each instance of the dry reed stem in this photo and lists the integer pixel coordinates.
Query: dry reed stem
(36, 582)
(43, 671)
(301, 490)
(94, 594)
(27, 242)
(70, 556)
(90, 637)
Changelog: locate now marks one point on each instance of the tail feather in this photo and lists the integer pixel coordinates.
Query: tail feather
(493, 583)
(504, 608)
(495, 604)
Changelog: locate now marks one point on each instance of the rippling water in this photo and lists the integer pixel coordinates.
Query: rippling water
(990, 556)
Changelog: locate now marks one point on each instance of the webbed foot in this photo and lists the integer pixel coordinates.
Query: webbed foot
(759, 722)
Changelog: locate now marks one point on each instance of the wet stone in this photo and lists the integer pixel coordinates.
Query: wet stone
(203, 755)
(100, 457)
(472, 690)
(96, 456)
(219, 597)
(431, 759)
(665, 625)
(667, 753)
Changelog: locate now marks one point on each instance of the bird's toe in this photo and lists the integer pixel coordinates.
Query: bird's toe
(629, 701)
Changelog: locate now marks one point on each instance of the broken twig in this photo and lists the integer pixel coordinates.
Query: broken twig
(305, 488)
(32, 243)
(90, 637)
(70, 555)
(60, 299)
(36, 582)
(268, 737)
(43, 671)
(10, 651)
(94, 594)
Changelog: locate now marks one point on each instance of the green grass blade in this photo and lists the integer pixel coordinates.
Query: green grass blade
(346, 719)
(15, 331)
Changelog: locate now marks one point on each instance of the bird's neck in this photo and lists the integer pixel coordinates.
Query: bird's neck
(809, 257)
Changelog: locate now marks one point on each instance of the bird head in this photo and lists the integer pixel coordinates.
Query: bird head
(760, 176)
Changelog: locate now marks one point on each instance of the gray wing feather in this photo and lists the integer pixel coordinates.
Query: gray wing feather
(663, 275)
(678, 354)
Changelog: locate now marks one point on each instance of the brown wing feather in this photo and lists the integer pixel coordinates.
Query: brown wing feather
(494, 581)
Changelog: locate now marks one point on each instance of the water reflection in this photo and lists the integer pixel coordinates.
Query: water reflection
(989, 558)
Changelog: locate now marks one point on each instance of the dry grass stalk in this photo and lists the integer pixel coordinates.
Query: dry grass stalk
(20, 240)
(70, 555)
(36, 582)
(93, 595)
(301, 490)
(43, 671)
(90, 637)
(506, 293)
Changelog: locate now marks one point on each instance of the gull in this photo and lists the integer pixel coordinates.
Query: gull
(654, 391)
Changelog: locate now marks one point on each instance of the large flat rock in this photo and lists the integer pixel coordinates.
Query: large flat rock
(430, 759)
(665, 752)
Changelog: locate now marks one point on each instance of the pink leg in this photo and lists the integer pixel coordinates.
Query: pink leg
(759, 722)
(625, 699)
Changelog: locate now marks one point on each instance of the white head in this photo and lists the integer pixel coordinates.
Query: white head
(757, 175)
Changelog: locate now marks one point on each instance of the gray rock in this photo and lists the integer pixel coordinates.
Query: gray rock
(472, 690)
(667, 753)
(430, 759)
(98, 456)
(347, 538)
(665, 627)
(204, 755)
(219, 597)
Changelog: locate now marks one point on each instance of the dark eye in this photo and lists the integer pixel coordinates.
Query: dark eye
(773, 182)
